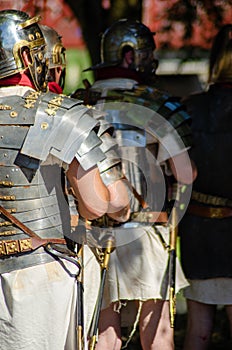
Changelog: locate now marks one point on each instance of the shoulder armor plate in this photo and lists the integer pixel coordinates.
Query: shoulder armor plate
(61, 126)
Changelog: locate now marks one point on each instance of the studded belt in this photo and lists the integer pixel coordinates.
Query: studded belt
(140, 216)
(210, 212)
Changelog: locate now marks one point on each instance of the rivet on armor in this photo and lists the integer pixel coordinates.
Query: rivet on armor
(2, 137)
(39, 69)
(2, 249)
(31, 37)
(25, 244)
(44, 126)
(40, 56)
(12, 247)
(13, 114)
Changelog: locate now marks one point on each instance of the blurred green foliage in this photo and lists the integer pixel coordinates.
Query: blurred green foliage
(77, 61)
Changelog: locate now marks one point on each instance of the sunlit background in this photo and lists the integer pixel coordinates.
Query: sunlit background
(182, 54)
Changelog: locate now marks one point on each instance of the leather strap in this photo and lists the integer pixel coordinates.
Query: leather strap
(8, 247)
(210, 212)
(150, 216)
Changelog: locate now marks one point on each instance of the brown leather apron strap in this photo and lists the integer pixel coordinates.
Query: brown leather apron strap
(8, 247)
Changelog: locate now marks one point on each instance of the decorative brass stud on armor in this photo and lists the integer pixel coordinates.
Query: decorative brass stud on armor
(39, 69)
(54, 105)
(31, 99)
(5, 107)
(13, 114)
(31, 37)
(40, 56)
(8, 233)
(7, 198)
(44, 126)
(5, 223)
(15, 246)
(6, 183)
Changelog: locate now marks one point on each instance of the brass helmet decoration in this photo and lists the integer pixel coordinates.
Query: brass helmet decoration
(17, 32)
(55, 52)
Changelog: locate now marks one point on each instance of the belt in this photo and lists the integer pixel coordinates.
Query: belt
(210, 212)
(150, 216)
(18, 262)
(211, 200)
(140, 216)
(16, 246)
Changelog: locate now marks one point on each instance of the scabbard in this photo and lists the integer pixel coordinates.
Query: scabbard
(172, 289)
(80, 316)
(172, 267)
(97, 310)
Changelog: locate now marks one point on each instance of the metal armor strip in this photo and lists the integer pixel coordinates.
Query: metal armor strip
(39, 224)
(107, 142)
(29, 204)
(7, 157)
(32, 259)
(31, 192)
(16, 176)
(111, 160)
(90, 142)
(10, 157)
(13, 111)
(12, 136)
(62, 131)
(50, 232)
(105, 127)
(45, 233)
(36, 214)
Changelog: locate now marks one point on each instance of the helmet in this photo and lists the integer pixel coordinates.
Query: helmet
(18, 32)
(55, 52)
(125, 34)
(220, 65)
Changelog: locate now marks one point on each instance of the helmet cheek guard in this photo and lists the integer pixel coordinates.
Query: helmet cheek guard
(38, 69)
(55, 52)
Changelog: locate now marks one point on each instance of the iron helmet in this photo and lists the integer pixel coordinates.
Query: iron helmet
(220, 65)
(17, 32)
(125, 34)
(55, 52)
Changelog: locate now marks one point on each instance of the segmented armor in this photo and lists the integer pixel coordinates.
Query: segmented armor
(161, 128)
(33, 128)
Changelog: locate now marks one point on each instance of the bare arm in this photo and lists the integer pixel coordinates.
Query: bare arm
(92, 195)
(119, 205)
(183, 169)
